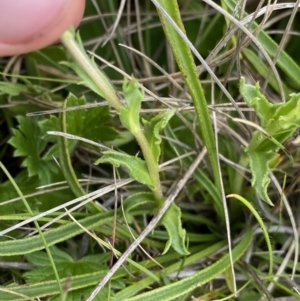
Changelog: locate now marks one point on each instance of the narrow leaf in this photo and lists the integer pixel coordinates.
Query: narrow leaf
(188, 284)
(59, 234)
(284, 61)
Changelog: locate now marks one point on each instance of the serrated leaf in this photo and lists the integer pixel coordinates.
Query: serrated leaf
(279, 121)
(86, 123)
(263, 108)
(50, 124)
(28, 143)
(130, 114)
(177, 235)
(152, 129)
(137, 167)
(259, 165)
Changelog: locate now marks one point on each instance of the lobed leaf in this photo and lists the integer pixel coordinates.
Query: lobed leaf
(255, 99)
(86, 123)
(280, 121)
(28, 143)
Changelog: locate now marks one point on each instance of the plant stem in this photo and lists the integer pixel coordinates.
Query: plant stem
(151, 164)
(83, 60)
(108, 92)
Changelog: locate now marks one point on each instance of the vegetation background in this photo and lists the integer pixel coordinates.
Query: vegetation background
(240, 247)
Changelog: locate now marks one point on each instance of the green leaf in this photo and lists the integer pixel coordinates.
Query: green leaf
(65, 264)
(253, 97)
(28, 143)
(137, 167)
(259, 165)
(284, 61)
(137, 200)
(12, 89)
(188, 284)
(53, 236)
(87, 79)
(86, 123)
(275, 118)
(152, 129)
(280, 121)
(89, 123)
(262, 225)
(177, 235)
(130, 114)
(50, 124)
(186, 63)
(50, 288)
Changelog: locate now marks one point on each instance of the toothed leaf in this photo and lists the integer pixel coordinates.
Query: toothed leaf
(27, 141)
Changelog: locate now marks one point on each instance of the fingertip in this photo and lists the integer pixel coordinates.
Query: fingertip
(29, 25)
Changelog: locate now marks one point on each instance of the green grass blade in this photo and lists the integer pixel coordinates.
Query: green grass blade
(262, 225)
(179, 288)
(50, 288)
(146, 282)
(284, 61)
(62, 233)
(186, 64)
(41, 234)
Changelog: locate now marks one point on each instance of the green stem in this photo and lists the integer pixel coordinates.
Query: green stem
(108, 92)
(66, 164)
(151, 164)
(84, 61)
